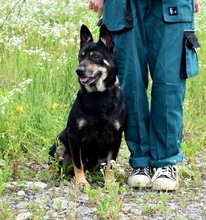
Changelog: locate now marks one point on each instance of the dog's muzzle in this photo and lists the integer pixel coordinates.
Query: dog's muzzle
(82, 74)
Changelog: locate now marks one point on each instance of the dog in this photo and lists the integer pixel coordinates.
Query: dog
(96, 121)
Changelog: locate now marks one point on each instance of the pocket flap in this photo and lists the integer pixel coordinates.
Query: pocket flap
(192, 39)
(178, 11)
(189, 63)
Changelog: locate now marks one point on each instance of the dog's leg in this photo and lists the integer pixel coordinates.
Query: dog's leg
(79, 175)
(79, 172)
(109, 174)
(63, 154)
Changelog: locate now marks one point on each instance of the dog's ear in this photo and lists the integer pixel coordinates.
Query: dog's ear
(85, 35)
(106, 38)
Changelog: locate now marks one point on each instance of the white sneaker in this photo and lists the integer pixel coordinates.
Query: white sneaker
(140, 177)
(165, 178)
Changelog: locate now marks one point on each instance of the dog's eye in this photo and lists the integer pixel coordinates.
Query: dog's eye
(81, 56)
(95, 57)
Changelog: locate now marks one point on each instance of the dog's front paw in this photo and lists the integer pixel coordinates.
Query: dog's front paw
(81, 181)
(80, 176)
(109, 175)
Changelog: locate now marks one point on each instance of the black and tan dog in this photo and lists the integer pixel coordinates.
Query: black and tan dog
(94, 129)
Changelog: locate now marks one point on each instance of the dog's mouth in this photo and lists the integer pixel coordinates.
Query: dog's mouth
(84, 79)
(87, 80)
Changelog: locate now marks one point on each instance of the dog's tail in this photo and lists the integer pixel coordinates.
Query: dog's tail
(52, 150)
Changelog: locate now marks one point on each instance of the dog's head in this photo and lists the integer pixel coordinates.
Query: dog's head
(97, 69)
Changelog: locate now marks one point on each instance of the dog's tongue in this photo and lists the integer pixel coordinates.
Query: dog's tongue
(84, 80)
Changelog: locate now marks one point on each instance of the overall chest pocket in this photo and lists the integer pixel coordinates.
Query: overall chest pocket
(178, 11)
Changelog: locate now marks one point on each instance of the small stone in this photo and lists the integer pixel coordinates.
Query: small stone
(83, 210)
(22, 205)
(39, 185)
(86, 218)
(72, 205)
(21, 193)
(23, 216)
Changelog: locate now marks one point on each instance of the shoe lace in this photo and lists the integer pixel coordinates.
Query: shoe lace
(168, 171)
(142, 171)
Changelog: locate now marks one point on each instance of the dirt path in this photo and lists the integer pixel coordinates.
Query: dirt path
(37, 200)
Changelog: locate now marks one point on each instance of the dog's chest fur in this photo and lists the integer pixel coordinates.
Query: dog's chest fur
(97, 123)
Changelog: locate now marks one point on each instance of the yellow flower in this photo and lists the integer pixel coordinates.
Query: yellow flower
(19, 109)
(46, 140)
(55, 105)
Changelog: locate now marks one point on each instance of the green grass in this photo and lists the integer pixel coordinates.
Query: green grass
(38, 56)
(39, 41)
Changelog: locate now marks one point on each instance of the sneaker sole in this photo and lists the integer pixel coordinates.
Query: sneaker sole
(164, 185)
(139, 182)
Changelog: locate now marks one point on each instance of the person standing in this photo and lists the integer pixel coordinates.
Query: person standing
(155, 37)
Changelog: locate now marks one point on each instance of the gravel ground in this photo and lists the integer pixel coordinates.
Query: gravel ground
(38, 200)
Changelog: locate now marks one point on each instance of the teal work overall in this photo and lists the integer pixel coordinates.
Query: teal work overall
(149, 37)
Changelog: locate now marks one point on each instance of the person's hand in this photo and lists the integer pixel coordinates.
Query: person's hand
(197, 6)
(97, 6)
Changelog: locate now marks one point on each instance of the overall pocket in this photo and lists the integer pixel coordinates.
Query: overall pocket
(175, 11)
(189, 62)
(117, 15)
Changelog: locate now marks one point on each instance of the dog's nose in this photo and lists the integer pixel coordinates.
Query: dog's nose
(80, 70)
